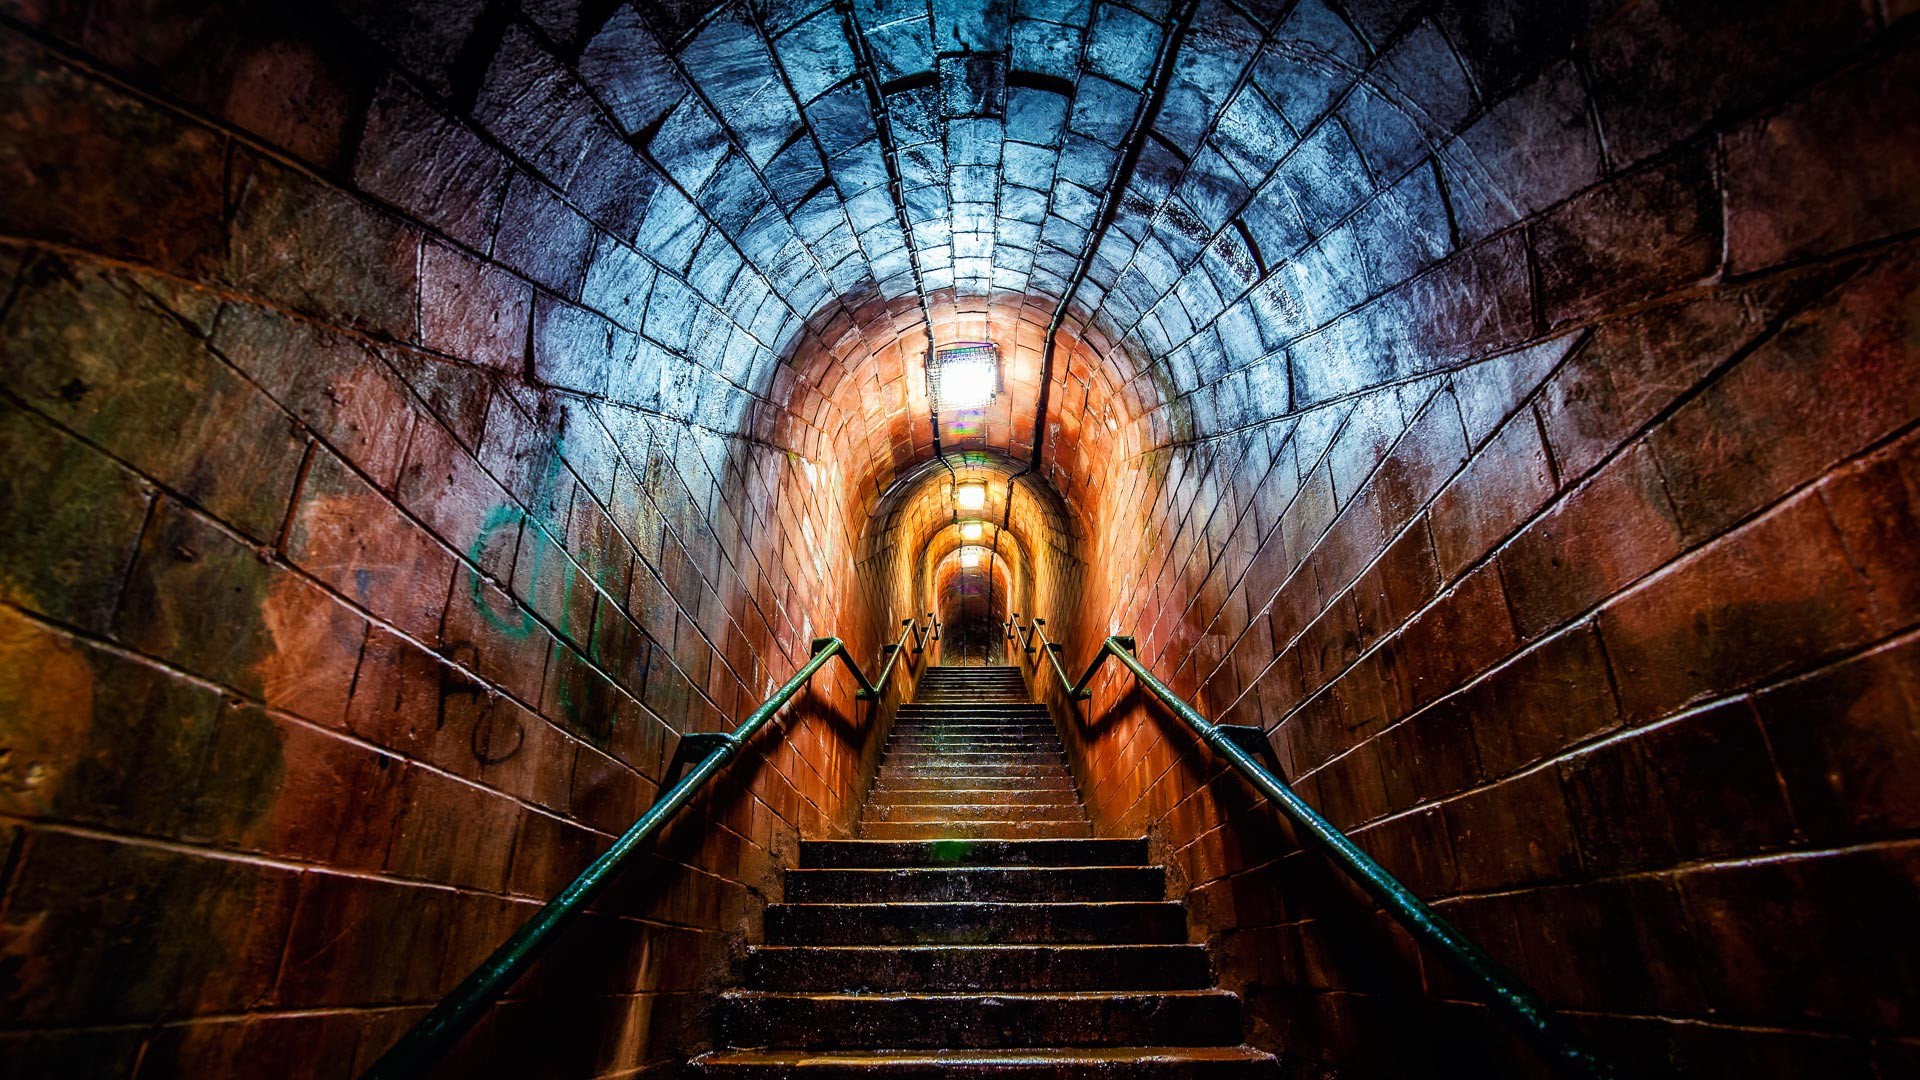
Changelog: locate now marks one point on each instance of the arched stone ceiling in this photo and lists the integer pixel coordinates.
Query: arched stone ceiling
(1226, 209)
(900, 169)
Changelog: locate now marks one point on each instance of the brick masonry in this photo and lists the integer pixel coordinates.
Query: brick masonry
(430, 409)
(1520, 578)
(346, 613)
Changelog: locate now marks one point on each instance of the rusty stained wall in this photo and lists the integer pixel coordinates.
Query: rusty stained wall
(335, 635)
(1574, 572)
(1509, 406)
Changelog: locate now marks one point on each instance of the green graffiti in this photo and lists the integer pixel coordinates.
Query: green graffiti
(499, 518)
(592, 716)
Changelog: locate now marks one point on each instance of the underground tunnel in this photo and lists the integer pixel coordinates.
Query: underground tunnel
(1401, 518)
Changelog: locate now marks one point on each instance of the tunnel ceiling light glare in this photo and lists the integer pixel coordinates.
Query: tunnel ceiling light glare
(971, 530)
(970, 496)
(966, 376)
(969, 557)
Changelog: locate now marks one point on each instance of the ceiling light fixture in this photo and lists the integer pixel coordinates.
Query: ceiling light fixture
(971, 496)
(971, 530)
(965, 375)
(969, 558)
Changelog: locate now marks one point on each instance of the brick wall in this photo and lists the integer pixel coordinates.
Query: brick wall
(1569, 562)
(430, 408)
(353, 592)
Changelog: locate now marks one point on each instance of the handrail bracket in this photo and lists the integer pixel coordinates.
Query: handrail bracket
(694, 746)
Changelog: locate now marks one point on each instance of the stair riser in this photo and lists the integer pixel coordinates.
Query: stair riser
(987, 783)
(996, 732)
(926, 812)
(1038, 1066)
(1059, 782)
(978, 796)
(864, 854)
(979, 929)
(980, 830)
(1034, 968)
(941, 721)
(936, 771)
(976, 924)
(1139, 1019)
(914, 760)
(924, 710)
(977, 884)
(974, 746)
(953, 713)
(947, 740)
(971, 705)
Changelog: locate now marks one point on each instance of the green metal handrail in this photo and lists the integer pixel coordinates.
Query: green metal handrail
(436, 1033)
(907, 630)
(1052, 650)
(1242, 747)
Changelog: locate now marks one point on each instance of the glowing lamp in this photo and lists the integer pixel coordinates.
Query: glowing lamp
(971, 530)
(971, 496)
(969, 558)
(966, 375)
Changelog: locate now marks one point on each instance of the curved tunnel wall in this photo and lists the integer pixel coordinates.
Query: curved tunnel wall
(436, 406)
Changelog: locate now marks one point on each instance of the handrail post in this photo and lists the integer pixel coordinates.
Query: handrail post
(1025, 635)
(1052, 649)
(867, 691)
(1082, 689)
(1545, 1028)
(892, 653)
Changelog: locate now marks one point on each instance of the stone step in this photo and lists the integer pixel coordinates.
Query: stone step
(945, 782)
(973, 830)
(856, 854)
(972, 796)
(952, 704)
(937, 738)
(1011, 726)
(965, 811)
(1091, 1063)
(971, 726)
(996, 884)
(941, 721)
(935, 769)
(978, 967)
(984, 722)
(942, 746)
(972, 707)
(1057, 780)
(973, 757)
(766, 1018)
(985, 769)
(1124, 922)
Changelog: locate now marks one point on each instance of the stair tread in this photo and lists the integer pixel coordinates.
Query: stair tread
(1037, 871)
(905, 997)
(994, 947)
(1018, 1054)
(977, 926)
(911, 905)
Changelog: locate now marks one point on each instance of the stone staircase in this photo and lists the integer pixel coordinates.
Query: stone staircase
(978, 928)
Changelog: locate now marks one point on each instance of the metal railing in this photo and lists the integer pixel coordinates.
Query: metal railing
(707, 753)
(1247, 750)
